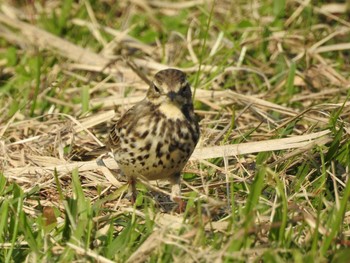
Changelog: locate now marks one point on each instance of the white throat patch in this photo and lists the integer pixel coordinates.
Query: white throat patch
(171, 111)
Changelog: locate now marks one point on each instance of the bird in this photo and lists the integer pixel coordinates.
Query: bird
(154, 139)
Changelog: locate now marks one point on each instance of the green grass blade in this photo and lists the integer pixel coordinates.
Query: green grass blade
(85, 98)
(4, 210)
(279, 7)
(255, 192)
(18, 194)
(282, 213)
(337, 222)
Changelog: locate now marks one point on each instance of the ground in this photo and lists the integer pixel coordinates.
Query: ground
(268, 181)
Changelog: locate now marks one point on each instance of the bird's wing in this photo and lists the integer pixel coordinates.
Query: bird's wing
(125, 121)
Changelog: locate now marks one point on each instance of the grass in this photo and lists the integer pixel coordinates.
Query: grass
(262, 73)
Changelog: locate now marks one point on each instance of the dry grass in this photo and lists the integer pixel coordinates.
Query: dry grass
(271, 96)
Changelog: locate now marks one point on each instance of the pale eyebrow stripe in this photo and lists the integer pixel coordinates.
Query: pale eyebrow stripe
(183, 84)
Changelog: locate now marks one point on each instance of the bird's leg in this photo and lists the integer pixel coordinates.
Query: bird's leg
(175, 196)
(132, 189)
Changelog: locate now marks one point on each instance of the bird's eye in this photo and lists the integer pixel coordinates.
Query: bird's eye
(183, 89)
(156, 89)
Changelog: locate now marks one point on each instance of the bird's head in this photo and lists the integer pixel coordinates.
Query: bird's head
(170, 86)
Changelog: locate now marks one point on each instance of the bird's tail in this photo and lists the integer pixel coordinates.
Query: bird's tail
(85, 154)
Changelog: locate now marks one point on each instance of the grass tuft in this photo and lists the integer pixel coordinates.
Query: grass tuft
(269, 180)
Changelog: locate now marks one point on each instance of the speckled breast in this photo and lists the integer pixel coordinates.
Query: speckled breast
(157, 148)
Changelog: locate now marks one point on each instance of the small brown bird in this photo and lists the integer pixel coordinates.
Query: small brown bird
(156, 137)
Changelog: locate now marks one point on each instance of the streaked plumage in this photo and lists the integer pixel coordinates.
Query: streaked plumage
(156, 137)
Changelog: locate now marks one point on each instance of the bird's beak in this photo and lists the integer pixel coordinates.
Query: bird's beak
(172, 95)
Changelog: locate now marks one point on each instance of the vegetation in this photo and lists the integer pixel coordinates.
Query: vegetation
(269, 180)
